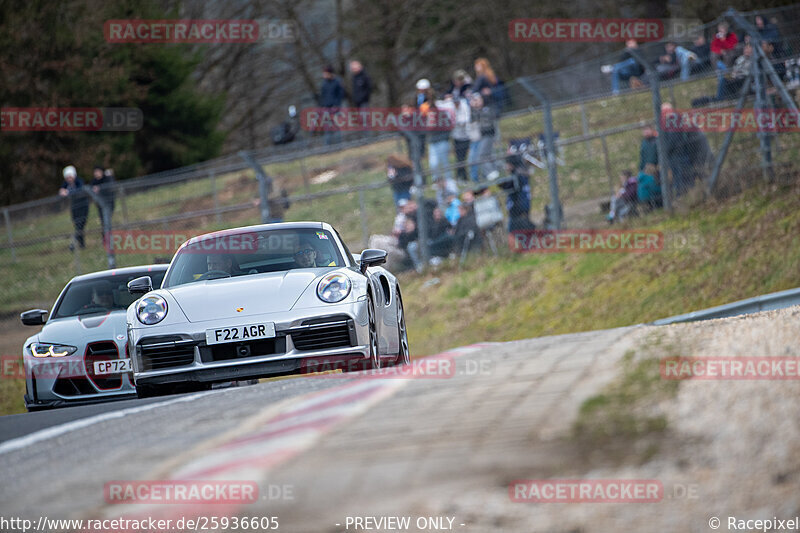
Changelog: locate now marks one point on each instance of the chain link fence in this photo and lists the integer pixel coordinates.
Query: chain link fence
(596, 138)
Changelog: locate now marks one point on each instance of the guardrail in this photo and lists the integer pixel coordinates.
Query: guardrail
(764, 302)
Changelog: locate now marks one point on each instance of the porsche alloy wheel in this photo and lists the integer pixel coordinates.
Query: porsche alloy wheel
(404, 353)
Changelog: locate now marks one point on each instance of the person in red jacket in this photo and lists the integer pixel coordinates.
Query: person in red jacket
(723, 47)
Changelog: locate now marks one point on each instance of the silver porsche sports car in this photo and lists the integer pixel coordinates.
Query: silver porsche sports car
(262, 301)
(80, 354)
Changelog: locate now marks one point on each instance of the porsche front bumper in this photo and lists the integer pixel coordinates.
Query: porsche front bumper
(176, 354)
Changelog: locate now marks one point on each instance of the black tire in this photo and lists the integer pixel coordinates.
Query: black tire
(404, 352)
(374, 362)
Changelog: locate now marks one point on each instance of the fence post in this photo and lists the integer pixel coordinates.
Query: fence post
(105, 211)
(217, 214)
(550, 146)
(264, 185)
(124, 203)
(608, 164)
(726, 143)
(585, 125)
(761, 103)
(7, 218)
(419, 196)
(363, 211)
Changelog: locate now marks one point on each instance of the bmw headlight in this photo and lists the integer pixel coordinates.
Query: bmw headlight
(45, 349)
(333, 288)
(151, 310)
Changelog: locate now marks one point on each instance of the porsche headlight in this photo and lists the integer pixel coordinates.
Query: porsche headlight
(44, 349)
(333, 288)
(151, 310)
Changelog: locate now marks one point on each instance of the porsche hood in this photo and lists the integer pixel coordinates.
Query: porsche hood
(243, 296)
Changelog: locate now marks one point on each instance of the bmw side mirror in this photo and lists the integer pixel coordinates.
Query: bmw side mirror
(372, 257)
(141, 285)
(34, 317)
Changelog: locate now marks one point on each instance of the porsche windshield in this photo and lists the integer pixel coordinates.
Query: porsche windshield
(101, 295)
(253, 252)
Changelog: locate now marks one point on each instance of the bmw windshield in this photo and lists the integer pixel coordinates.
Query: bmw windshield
(101, 295)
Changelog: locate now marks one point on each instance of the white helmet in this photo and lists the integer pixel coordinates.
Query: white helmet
(70, 171)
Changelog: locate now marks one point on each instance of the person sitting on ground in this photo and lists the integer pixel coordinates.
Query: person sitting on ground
(730, 84)
(648, 150)
(722, 48)
(648, 190)
(400, 173)
(451, 212)
(627, 69)
(467, 235)
(623, 203)
(702, 53)
(440, 241)
(667, 63)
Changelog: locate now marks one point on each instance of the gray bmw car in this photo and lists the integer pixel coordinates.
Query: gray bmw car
(80, 354)
(261, 301)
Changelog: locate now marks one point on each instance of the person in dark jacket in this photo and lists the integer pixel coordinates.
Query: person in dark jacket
(361, 85)
(627, 67)
(103, 185)
(72, 188)
(648, 150)
(400, 173)
(331, 95)
(518, 194)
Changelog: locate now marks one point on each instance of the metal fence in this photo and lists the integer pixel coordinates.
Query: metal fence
(590, 139)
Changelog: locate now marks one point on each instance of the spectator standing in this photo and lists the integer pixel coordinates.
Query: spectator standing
(330, 98)
(400, 173)
(648, 150)
(72, 187)
(361, 88)
(439, 116)
(460, 84)
(489, 85)
(103, 185)
(461, 134)
(480, 151)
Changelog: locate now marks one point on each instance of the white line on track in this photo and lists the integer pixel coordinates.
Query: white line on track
(56, 431)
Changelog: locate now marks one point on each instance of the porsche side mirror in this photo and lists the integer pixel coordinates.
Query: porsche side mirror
(34, 317)
(371, 257)
(141, 285)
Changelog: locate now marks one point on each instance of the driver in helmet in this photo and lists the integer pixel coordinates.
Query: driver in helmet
(219, 263)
